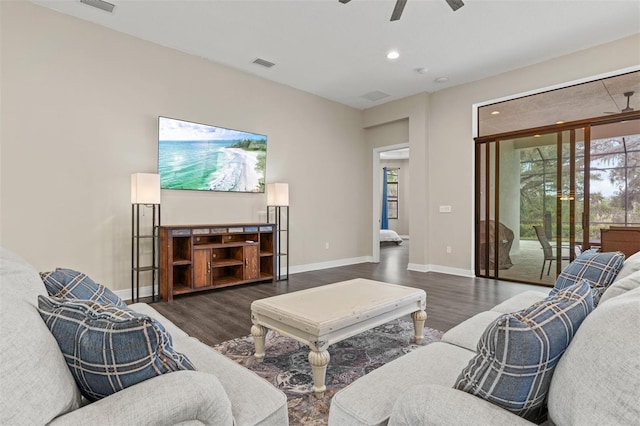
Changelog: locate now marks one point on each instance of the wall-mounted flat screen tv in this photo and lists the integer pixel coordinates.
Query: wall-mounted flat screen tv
(209, 158)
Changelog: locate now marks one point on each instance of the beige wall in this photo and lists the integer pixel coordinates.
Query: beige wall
(405, 120)
(79, 115)
(391, 134)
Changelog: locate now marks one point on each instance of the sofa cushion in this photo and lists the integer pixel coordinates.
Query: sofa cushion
(630, 265)
(596, 381)
(622, 286)
(467, 333)
(36, 385)
(370, 399)
(519, 301)
(108, 348)
(518, 352)
(599, 269)
(172, 329)
(444, 406)
(237, 381)
(70, 284)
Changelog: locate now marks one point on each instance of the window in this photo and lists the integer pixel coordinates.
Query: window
(615, 181)
(392, 193)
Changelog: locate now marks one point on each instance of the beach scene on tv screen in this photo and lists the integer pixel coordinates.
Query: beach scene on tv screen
(209, 158)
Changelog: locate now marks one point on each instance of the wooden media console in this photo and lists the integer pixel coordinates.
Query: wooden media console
(205, 257)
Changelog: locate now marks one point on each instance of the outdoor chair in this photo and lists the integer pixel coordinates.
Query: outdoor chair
(547, 249)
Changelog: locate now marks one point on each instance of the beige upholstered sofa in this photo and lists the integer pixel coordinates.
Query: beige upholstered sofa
(38, 388)
(596, 381)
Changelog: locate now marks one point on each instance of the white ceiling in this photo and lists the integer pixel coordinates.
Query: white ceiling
(338, 51)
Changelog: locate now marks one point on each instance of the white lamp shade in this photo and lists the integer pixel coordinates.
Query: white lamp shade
(145, 188)
(277, 194)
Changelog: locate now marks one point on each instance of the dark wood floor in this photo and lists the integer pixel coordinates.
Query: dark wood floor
(219, 315)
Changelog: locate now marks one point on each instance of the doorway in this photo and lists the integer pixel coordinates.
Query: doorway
(401, 152)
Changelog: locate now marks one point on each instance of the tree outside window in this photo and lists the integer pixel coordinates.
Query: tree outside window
(614, 183)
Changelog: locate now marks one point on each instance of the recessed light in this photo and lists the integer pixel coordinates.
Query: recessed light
(536, 136)
(423, 70)
(495, 112)
(441, 80)
(560, 122)
(393, 54)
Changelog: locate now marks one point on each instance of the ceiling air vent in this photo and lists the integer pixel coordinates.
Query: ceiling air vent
(376, 95)
(100, 4)
(264, 63)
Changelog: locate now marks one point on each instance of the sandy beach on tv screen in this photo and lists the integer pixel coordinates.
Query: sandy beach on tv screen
(249, 178)
(239, 172)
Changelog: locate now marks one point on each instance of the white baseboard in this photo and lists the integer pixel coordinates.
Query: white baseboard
(144, 292)
(441, 269)
(329, 264)
(418, 267)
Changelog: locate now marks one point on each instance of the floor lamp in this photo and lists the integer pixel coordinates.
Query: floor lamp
(278, 213)
(145, 193)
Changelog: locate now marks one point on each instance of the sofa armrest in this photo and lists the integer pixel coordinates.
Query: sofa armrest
(438, 405)
(169, 399)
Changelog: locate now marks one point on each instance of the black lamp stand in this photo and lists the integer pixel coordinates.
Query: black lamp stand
(280, 216)
(148, 236)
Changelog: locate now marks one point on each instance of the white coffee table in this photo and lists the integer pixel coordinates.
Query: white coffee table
(322, 316)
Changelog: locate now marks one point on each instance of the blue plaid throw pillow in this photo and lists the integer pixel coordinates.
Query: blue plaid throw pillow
(518, 352)
(107, 348)
(599, 269)
(70, 284)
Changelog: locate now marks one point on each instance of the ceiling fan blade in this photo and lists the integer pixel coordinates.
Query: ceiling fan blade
(344, 1)
(397, 10)
(455, 4)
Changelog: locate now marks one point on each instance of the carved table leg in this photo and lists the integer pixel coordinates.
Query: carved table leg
(319, 361)
(259, 333)
(419, 317)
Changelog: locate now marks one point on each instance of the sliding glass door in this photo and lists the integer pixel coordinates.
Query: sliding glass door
(543, 195)
(530, 187)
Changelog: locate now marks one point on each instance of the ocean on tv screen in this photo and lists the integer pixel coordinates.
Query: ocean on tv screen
(207, 158)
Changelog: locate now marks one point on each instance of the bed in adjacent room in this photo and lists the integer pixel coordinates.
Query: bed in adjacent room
(389, 235)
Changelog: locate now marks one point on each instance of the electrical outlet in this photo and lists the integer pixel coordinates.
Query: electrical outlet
(448, 249)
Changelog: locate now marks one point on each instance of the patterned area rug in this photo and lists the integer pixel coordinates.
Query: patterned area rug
(286, 366)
